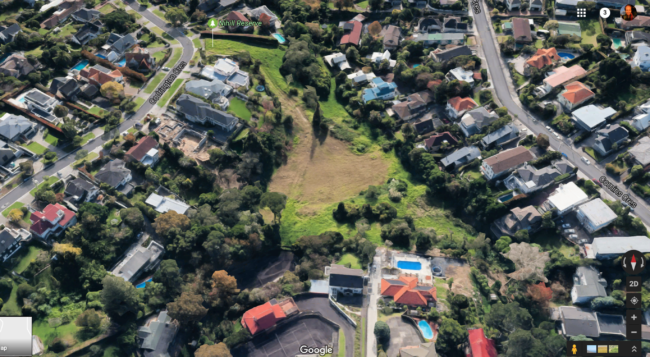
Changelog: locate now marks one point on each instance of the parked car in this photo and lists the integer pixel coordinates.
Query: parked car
(566, 226)
(584, 159)
(549, 128)
(166, 69)
(573, 236)
(583, 241)
(569, 231)
(597, 182)
(626, 205)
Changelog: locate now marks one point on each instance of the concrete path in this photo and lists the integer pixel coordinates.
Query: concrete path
(374, 284)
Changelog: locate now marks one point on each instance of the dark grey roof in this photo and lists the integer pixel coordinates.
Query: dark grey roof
(423, 287)
(68, 88)
(611, 324)
(637, 36)
(158, 336)
(89, 27)
(89, 90)
(615, 132)
(588, 283)
(87, 14)
(428, 22)
(208, 5)
(78, 187)
(346, 277)
(578, 321)
(424, 126)
(113, 173)
(446, 55)
(198, 108)
(7, 35)
(540, 177)
(14, 125)
(6, 155)
(6, 240)
(124, 43)
(503, 134)
(57, 83)
(474, 120)
(38, 97)
(461, 156)
(112, 38)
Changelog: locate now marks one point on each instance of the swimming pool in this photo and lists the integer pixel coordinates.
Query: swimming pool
(22, 99)
(416, 65)
(279, 37)
(121, 63)
(101, 56)
(143, 284)
(403, 264)
(426, 329)
(617, 42)
(81, 65)
(507, 197)
(565, 55)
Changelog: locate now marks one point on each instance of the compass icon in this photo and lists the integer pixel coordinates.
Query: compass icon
(633, 262)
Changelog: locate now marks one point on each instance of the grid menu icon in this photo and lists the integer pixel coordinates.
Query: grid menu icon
(582, 12)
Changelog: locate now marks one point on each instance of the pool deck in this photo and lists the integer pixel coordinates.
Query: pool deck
(424, 274)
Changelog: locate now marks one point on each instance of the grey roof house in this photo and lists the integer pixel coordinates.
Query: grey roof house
(446, 55)
(7, 154)
(12, 127)
(7, 34)
(197, 110)
(610, 138)
(579, 321)
(612, 247)
(65, 87)
(345, 281)
(391, 37)
(527, 218)
(90, 30)
(641, 151)
(114, 174)
(429, 24)
(591, 117)
(453, 24)
(595, 215)
(139, 260)
(475, 120)
(17, 66)
(588, 284)
(10, 242)
(157, 335)
(86, 15)
(528, 179)
(461, 156)
(500, 136)
(80, 190)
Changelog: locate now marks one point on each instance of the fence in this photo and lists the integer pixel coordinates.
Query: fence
(340, 311)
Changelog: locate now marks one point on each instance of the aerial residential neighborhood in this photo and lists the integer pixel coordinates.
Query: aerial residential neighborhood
(335, 178)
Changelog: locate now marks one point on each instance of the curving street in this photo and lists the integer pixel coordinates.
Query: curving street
(506, 93)
(188, 52)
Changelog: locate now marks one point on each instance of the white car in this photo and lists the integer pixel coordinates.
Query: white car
(566, 226)
(556, 135)
(573, 236)
(549, 128)
(585, 160)
(583, 241)
(569, 231)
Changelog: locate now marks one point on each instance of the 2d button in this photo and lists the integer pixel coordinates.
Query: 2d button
(633, 300)
(633, 284)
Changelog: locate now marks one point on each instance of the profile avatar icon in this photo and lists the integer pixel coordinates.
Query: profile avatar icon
(628, 13)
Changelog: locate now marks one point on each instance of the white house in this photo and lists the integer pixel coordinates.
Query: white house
(139, 260)
(595, 215)
(462, 75)
(588, 284)
(641, 58)
(377, 57)
(54, 219)
(612, 247)
(566, 197)
(215, 91)
(228, 72)
(457, 106)
(360, 78)
(164, 204)
(337, 60)
(344, 280)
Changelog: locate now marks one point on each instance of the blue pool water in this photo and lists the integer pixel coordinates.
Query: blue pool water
(415, 65)
(81, 65)
(279, 37)
(617, 42)
(566, 55)
(21, 99)
(402, 264)
(101, 56)
(426, 329)
(143, 284)
(507, 197)
(122, 62)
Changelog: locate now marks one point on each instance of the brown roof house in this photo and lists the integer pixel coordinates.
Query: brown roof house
(16, 66)
(521, 30)
(145, 151)
(434, 142)
(414, 105)
(391, 37)
(505, 161)
(638, 22)
(235, 18)
(543, 57)
(140, 60)
(66, 9)
(527, 218)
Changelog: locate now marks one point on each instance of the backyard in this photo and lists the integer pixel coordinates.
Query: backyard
(36, 148)
(350, 259)
(238, 108)
(590, 30)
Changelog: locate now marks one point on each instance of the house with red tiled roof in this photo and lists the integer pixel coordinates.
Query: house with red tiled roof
(406, 291)
(54, 219)
(238, 18)
(267, 315)
(434, 142)
(433, 84)
(575, 94)
(457, 106)
(145, 151)
(543, 57)
(479, 345)
(352, 32)
(100, 75)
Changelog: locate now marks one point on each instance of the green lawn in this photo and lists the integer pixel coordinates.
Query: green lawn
(36, 148)
(10, 307)
(13, 206)
(332, 108)
(132, 12)
(107, 9)
(539, 44)
(363, 4)
(158, 31)
(350, 259)
(238, 108)
(159, 55)
(37, 52)
(85, 138)
(139, 101)
(159, 13)
(51, 139)
(27, 258)
(341, 343)
(10, 14)
(519, 79)
(176, 55)
(65, 31)
(548, 240)
(170, 92)
(51, 181)
(595, 155)
(590, 30)
(242, 134)
(114, 214)
(42, 329)
(197, 43)
(91, 156)
(97, 111)
(154, 82)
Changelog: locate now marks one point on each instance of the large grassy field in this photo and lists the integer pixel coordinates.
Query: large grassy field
(107, 9)
(170, 92)
(154, 82)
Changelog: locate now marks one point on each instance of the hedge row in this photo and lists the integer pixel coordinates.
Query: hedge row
(267, 40)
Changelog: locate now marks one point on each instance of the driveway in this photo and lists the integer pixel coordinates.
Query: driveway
(321, 304)
(402, 334)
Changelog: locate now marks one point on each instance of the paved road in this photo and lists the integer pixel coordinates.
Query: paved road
(375, 285)
(505, 92)
(321, 304)
(188, 52)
